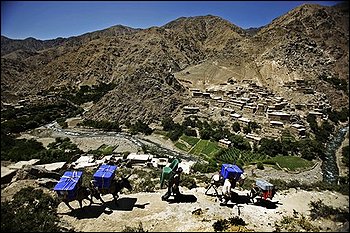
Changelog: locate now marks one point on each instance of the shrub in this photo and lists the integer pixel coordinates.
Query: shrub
(260, 165)
(134, 229)
(320, 210)
(31, 210)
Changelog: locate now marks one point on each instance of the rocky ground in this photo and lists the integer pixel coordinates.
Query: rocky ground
(197, 212)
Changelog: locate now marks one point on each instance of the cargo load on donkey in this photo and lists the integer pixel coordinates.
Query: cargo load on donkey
(104, 176)
(230, 173)
(69, 188)
(104, 182)
(68, 185)
(262, 189)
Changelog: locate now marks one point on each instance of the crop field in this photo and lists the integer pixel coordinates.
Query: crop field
(292, 162)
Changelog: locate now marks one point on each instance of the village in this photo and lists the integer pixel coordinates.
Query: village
(245, 102)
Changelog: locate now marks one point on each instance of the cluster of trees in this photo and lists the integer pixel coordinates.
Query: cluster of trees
(323, 132)
(31, 210)
(338, 83)
(336, 116)
(345, 153)
(87, 93)
(139, 126)
(30, 117)
(104, 124)
(207, 130)
(19, 149)
(62, 150)
(175, 130)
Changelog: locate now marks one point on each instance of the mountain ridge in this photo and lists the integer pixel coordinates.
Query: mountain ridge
(120, 54)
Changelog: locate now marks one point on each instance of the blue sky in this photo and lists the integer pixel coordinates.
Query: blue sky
(51, 19)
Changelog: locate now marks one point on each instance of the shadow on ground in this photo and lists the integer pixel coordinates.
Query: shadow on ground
(267, 204)
(183, 198)
(96, 209)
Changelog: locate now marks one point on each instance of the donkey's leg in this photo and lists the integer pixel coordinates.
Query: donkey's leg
(70, 207)
(116, 196)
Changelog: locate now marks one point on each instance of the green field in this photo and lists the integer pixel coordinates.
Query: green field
(107, 150)
(292, 162)
(190, 140)
(182, 146)
(205, 147)
(233, 155)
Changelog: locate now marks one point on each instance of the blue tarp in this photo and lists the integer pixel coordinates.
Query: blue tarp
(69, 183)
(104, 175)
(231, 170)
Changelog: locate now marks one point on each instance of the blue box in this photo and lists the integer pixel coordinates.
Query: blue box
(68, 184)
(231, 170)
(104, 175)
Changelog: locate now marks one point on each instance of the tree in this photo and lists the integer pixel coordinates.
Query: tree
(270, 147)
(31, 210)
(236, 126)
(168, 124)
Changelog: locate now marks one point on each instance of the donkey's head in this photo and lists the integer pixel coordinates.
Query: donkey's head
(125, 183)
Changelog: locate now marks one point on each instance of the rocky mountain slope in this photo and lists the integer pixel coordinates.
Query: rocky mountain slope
(308, 43)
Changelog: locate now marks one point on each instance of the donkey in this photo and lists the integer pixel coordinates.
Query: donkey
(115, 187)
(82, 193)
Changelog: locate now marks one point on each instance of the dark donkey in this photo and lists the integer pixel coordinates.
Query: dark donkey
(82, 193)
(115, 187)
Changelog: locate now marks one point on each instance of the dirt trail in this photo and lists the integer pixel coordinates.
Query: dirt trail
(157, 215)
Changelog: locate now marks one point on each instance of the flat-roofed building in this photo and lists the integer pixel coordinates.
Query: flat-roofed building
(225, 143)
(206, 95)
(244, 120)
(261, 109)
(230, 110)
(316, 114)
(278, 116)
(140, 158)
(235, 115)
(190, 110)
(298, 129)
(237, 107)
(276, 124)
(197, 94)
(253, 137)
(221, 103)
(249, 109)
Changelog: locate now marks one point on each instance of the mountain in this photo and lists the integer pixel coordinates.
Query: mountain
(310, 42)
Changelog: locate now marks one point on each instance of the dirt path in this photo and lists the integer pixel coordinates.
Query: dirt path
(157, 215)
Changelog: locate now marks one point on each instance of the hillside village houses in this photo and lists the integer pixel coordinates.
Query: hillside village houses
(248, 102)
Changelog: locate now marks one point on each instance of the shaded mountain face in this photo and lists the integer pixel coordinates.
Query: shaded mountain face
(308, 43)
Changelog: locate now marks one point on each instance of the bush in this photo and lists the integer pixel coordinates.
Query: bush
(319, 210)
(31, 210)
(260, 165)
(187, 181)
(204, 167)
(236, 127)
(134, 229)
(345, 153)
(190, 132)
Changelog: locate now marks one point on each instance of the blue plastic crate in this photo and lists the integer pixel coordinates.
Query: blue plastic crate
(104, 175)
(68, 184)
(231, 171)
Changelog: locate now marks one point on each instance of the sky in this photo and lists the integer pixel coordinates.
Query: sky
(52, 19)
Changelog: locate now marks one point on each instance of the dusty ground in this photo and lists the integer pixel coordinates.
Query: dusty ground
(157, 215)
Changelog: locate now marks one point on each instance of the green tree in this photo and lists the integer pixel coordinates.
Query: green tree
(31, 210)
(168, 124)
(236, 126)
